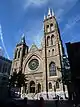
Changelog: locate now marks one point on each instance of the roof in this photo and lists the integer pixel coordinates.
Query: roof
(33, 47)
(5, 59)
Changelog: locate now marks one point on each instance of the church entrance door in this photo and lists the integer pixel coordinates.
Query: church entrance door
(39, 88)
(32, 87)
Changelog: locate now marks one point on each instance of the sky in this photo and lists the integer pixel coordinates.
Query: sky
(26, 16)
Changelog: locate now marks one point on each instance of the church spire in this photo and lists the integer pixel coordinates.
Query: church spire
(23, 39)
(49, 13)
(44, 17)
(52, 13)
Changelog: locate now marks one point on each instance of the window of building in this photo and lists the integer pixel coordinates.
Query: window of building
(57, 84)
(50, 85)
(39, 88)
(48, 52)
(51, 27)
(48, 29)
(52, 51)
(16, 53)
(52, 40)
(48, 40)
(54, 88)
(52, 69)
(19, 53)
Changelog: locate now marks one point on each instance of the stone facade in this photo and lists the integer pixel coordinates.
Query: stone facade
(32, 60)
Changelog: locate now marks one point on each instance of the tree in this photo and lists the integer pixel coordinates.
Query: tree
(17, 80)
(66, 74)
(13, 79)
(21, 79)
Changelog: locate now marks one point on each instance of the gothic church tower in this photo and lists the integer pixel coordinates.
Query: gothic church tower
(20, 51)
(54, 50)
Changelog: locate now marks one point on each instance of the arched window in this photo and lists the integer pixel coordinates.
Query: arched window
(51, 27)
(32, 87)
(39, 88)
(54, 88)
(16, 54)
(52, 69)
(57, 84)
(52, 51)
(48, 29)
(19, 53)
(50, 85)
(52, 40)
(48, 40)
(48, 52)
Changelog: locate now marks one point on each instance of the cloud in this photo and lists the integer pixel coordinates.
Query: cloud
(34, 3)
(59, 14)
(1, 37)
(60, 9)
(71, 23)
(63, 8)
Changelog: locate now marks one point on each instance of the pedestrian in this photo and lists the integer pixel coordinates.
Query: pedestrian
(25, 102)
(41, 102)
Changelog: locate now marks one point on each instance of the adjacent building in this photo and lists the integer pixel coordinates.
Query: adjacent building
(5, 68)
(73, 50)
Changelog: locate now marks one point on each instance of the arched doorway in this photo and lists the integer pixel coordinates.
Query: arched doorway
(32, 87)
(39, 87)
(50, 85)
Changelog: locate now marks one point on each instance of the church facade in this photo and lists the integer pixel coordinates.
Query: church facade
(32, 60)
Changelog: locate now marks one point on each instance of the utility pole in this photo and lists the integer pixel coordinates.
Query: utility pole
(46, 66)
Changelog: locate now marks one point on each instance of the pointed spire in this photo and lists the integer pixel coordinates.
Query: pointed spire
(52, 13)
(44, 17)
(23, 35)
(49, 13)
(23, 38)
(33, 47)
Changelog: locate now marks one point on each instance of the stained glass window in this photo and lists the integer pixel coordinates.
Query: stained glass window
(52, 69)
(33, 64)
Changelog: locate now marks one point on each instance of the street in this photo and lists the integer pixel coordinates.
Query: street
(35, 103)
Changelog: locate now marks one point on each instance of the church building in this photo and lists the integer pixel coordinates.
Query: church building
(32, 60)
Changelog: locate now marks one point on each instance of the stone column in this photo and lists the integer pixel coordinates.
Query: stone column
(36, 89)
(28, 87)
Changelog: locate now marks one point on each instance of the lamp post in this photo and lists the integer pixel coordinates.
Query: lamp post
(46, 67)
